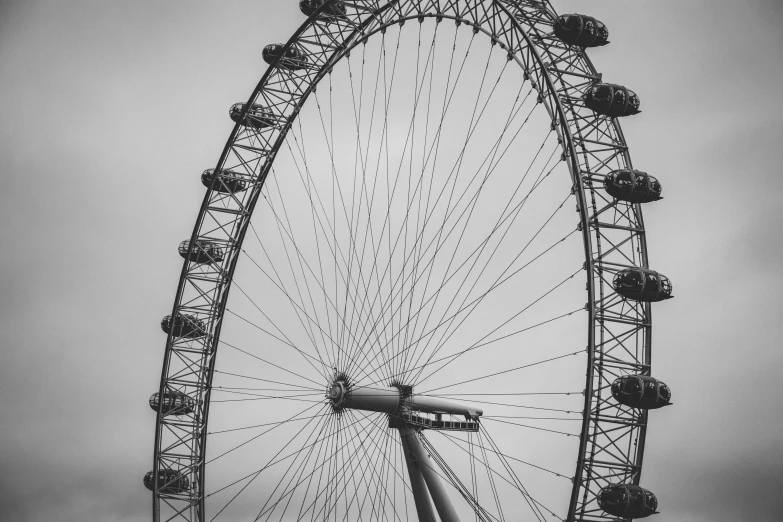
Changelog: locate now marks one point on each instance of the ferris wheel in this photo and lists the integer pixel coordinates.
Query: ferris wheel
(440, 303)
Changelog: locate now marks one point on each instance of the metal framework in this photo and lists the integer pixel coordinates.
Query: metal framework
(618, 340)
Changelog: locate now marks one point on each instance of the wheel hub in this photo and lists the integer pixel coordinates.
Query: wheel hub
(337, 392)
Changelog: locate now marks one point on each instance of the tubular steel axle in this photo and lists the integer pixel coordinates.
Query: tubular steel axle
(391, 400)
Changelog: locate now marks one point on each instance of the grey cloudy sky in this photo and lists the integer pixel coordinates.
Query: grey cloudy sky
(109, 110)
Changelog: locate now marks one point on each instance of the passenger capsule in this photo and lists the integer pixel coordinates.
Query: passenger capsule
(581, 30)
(642, 284)
(611, 100)
(627, 501)
(174, 403)
(634, 186)
(169, 481)
(203, 252)
(257, 117)
(184, 326)
(230, 181)
(333, 11)
(294, 59)
(641, 391)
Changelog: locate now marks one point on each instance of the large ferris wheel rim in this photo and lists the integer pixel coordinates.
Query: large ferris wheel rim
(539, 60)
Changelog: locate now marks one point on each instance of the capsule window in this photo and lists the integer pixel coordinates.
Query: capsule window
(641, 182)
(617, 497)
(619, 97)
(637, 500)
(631, 386)
(602, 92)
(633, 279)
(624, 178)
(651, 500)
(634, 99)
(650, 391)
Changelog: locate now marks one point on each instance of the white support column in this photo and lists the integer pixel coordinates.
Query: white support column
(419, 487)
(445, 509)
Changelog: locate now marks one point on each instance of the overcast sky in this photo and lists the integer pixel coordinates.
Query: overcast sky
(110, 110)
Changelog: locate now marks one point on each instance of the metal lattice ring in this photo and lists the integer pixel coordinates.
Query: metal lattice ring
(417, 303)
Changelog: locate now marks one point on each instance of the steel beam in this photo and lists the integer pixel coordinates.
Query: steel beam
(389, 400)
(418, 486)
(382, 400)
(422, 462)
(438, 405)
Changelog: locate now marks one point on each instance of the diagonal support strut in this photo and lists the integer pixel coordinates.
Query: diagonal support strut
(422, 473)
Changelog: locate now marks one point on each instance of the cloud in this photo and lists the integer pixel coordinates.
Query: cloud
(735, 486)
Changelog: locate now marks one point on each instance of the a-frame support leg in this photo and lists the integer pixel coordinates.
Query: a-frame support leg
(419, 487)
(420, 467)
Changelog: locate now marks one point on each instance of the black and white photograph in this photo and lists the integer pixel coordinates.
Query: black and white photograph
(391, 261)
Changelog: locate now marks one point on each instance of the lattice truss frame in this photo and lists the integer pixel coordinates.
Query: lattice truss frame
(619, 330)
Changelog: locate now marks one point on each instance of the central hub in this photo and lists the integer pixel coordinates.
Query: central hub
(403, 407)
(337, 393)
(342, 393)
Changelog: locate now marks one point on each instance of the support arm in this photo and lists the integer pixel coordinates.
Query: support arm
(419, 487)
(422, 461)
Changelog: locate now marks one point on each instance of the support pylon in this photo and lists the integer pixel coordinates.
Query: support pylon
(417, 458)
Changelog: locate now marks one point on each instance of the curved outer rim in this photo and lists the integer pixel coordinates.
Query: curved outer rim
(522, 29)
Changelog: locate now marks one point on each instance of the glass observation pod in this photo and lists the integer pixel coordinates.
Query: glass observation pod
(333, 10)
(203, 251)
(634, 186)
(258, 116)
(174, 403)
(641, 391)
(293, 59)
(642, 284)
(581, 30)
(612, 100)
(183, 326)
(627, 501)
(229, 181)
(169, 481)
